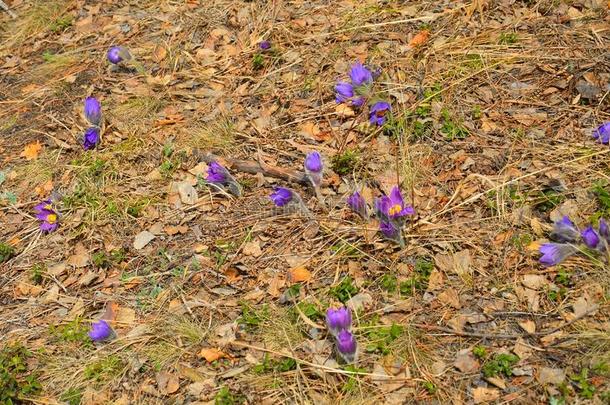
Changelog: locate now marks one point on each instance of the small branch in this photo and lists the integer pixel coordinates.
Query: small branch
(253, 167)
(6, 8)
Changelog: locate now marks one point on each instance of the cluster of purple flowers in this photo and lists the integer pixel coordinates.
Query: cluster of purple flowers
(47, 215)
(220, 177)
(339, 323)
(570, 240)
(391, 210)
(358, 90)
(314, 168)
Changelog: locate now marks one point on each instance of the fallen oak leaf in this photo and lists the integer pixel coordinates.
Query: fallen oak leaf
(31, 150)
(210, 354)
(299, 274)
(419, 39)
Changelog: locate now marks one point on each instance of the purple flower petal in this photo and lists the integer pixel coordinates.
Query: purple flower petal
(602, 133)
(590, 237)
(358, 204)
(91, 138)
(346, 345)
(118, 54)
(93, 110)
(344, 92)
(564, 230)
(313, 162)
(604, 230)
(555, 253)
(45, 205)
(281, 196)
(360, 75)
(377, 113)
(216, 174)
(100, 331)
(389, 230)
(338, 320)
(264, 45)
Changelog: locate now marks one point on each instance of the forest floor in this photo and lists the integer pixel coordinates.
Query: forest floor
(219, 299)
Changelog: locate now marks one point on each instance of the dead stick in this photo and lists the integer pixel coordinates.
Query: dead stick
(6, 8)
(253, 167)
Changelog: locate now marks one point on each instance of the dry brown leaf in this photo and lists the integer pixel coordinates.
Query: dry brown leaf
(159, 53)
(466, 362)
(482, 394)
(31, 150)
(299, 274)
(167, 383)
(528, 325)
(252, 248)
(80, 258)
(44, 189)
(210, 354)
(419, 39)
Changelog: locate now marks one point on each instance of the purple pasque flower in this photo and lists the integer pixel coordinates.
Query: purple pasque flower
(44, 205)
(118, 54)
(281, 196)
(358, 204)
(338, 319)
(93, 111)
(602, 133)
(389, 230)
(346, 346)
(217, 174)
(393, 206)
(100, 331)
(49, 218)
(313, 162)
(360, 75)
(344, 92)
(313, 168)
(264, 45)
(564, 230)
(377, 113)
(590, 237)
(555, 253)
(91, 138)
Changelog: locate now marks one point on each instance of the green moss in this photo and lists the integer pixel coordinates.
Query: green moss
(345, 162)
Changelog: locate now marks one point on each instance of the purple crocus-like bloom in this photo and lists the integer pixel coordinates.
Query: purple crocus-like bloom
(216, 174)
(555, 253)
(564, 230)
(389, 230)
(347, 346)
(91, 138)
(264, 45)
(393, 206)
(590, 237)
(338, 320)
(49, 220)
(360, 75)
(93, 110)
(313, 162)
(100, 331)
(377, 114)
(345, 91)
(602, 134)
(281, 196)
(45, 205)
(358, 204)
(118, 54)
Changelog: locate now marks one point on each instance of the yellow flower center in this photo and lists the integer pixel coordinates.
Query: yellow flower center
(47, 207)
(51, 218)
(395, 209)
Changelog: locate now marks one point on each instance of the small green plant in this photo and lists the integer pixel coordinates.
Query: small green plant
(16, 381)
(345, 162)
(226, 397)
(72, 396)
(352, 380)
(451, 128)
(281, 366)
(547, 200)
(508, 38)
(310, 310)
(476, 112)
(37, 271)
(167, 168)
(73, 331)
(168, 149)
(344, 290)
(430, 387)
(500, 364)
(563, 277)
(61, 23)
(389, 282)
(521, 240)
(101, 260)
(252, 318)
(6, 252)
(479, 352)
(603, 196)
(104, 369)
(419, 279)
(382, 338)
(585, 388)
(258, 61)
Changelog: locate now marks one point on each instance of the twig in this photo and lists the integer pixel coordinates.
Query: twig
(6, 8)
